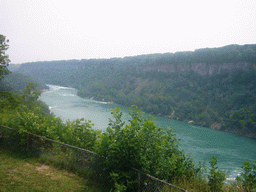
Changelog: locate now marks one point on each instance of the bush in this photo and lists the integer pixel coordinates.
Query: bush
(142, 145)
(248, 176)
(216, 177)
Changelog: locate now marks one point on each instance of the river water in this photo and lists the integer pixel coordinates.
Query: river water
(202, 143)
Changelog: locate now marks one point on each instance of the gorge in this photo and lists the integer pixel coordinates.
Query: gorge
(209, 87)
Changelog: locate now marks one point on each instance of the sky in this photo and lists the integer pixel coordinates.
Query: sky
(46, 30)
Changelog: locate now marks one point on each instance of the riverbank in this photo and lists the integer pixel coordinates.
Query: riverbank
(218, 127)
(215, 126)
(248, 134)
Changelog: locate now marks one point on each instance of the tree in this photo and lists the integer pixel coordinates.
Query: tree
(248, 176)
(4, 59)
(216, 177)
(142, 145)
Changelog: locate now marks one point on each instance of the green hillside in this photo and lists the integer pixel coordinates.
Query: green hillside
(222, 100)
(18, 81)
(208, 87)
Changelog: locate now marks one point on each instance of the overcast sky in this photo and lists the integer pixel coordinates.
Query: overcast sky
(44, 30)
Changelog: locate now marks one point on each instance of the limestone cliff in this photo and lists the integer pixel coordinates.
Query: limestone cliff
(201, 68)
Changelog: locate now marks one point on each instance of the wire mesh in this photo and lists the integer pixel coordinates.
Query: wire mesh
(62, 155)
(73, 158)
(147, 182)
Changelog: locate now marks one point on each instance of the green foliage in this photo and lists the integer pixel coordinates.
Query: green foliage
(142, 145)
(76, 133)
(30, 95)
(216, 177)
(79, 133)
(4, 59)
(223, 98)
(18, 81)
(207, 100)
(248, 176)
(244, 118)
(8, 100)
(138, 143)
(31, 115)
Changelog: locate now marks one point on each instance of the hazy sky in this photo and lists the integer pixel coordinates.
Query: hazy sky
(41, 30)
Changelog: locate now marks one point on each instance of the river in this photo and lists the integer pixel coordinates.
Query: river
(202, 143)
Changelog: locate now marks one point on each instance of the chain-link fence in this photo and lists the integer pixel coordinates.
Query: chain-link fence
(147, 182)
(62, 155)
(74, 158)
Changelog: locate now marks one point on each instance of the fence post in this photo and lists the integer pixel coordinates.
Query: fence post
(138, 181)
(27, 144)
(83, 161)
(1, 138)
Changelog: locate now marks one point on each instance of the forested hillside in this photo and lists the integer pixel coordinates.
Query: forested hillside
(209, 87)
(18, 82)
(13, 67)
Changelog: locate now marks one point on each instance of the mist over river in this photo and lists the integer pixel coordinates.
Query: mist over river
(202, 143)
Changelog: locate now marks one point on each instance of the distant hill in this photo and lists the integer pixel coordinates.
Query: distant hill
(13, 67)
(212, 87)
(18, 82)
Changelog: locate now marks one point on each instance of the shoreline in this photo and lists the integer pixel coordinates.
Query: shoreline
(241, 133)
(215, 126)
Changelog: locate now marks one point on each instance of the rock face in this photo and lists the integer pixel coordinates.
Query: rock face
(201, 68)
(191, 122)
(216, 126)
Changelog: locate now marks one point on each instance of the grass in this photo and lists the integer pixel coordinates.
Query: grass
(20, 173)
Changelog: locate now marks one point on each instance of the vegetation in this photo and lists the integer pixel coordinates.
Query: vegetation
(248, 176)
(224, 99)
(4, 59)
(12, 81)
(13, 67)
(144, 146)
(138, 144)
(216, 177)
(18, 82)
(27, 114)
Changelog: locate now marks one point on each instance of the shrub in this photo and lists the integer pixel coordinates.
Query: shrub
(142, 145)
(248, 176)
(216, 177)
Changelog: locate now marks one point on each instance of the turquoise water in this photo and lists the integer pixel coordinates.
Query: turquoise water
(202, 143)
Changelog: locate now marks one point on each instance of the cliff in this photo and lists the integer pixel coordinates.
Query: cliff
(201, 68)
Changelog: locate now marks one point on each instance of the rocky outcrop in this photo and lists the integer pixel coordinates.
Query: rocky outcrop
(216, 126)
(191, 122)
(200, 68)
